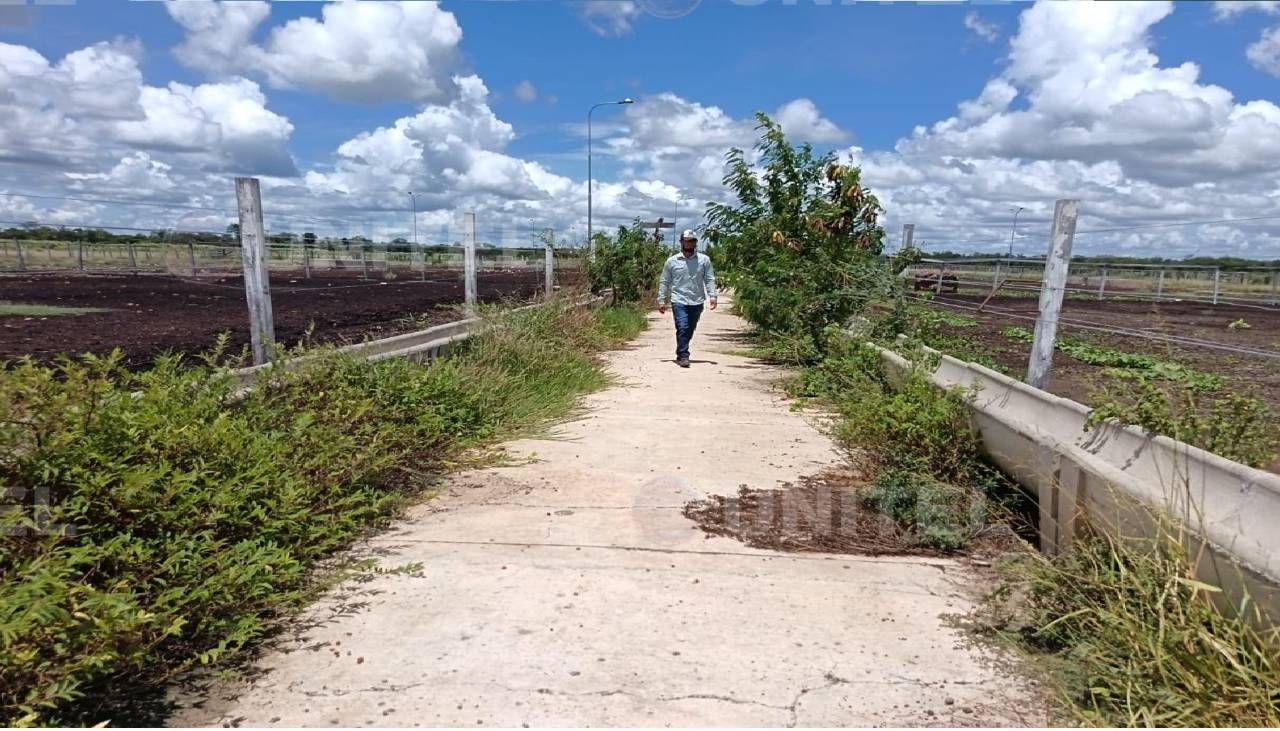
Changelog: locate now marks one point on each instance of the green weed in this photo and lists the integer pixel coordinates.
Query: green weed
(623, 322)
(937, 514)
(1125, 365)
(16, 309)
(1017, 333)
(1133, 638)
(189, 520)
(916, 437)
(1235, 426)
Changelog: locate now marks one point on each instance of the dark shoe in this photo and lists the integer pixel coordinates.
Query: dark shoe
(683, 362)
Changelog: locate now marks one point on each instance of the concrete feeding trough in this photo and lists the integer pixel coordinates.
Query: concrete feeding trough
(1119, 479)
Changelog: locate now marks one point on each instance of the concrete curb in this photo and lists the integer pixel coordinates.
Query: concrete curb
(1112, 477)
(422, 345)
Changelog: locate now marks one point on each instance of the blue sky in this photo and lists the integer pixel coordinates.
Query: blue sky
(868, 73)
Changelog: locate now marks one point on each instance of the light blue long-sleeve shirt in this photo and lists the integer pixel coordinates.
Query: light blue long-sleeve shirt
(689, 280)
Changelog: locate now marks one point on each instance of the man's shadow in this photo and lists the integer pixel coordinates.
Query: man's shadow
(691, 360)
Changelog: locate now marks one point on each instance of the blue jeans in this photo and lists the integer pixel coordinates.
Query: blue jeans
(686, 317)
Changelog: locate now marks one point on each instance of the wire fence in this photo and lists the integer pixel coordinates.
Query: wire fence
(1079, 323)
(97, 285)
(1242, 287)
(201, 258)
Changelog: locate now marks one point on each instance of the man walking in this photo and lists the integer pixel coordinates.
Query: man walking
(689, 279)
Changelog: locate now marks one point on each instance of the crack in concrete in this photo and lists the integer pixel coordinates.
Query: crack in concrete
(940, 566)
(338, 692)
(585, 507)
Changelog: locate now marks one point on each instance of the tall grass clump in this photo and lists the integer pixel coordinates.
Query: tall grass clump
(1134, 638)
(154, 523)
(914, 438)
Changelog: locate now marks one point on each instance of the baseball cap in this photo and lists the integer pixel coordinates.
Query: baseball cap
(688, 234)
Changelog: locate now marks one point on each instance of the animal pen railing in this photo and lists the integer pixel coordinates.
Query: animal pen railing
(368, 260)
(1246, 287)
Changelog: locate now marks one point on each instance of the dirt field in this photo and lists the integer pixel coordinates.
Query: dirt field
(1073, 379)
(149, 315)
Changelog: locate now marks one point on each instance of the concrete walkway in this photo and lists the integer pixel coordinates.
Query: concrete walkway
(568, 589)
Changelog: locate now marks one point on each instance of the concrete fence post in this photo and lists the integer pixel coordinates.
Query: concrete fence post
(549, 261)
(306, 261)
(995, 278)
(469, 260)
(22, 260)
(364, 262)
(257, 283)
(1056, 266)
(133, 257)
(1217, 282)
(1160, 285)
(1102, 282)
(942, 270)
(80, 255)
(191, 256)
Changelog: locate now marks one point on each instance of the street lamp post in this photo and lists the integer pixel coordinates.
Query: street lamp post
(627, 100)
(1014, 232)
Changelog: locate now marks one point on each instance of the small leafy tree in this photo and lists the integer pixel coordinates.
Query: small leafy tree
(628, 263)
(801, 245)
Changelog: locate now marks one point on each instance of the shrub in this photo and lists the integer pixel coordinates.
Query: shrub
(801, 245)
(192, 521)
(911, 425)
(938, 514)
(629, 263)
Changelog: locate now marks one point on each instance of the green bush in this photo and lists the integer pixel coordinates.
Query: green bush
(629, 263)
(801, 246)
(910, 425)
(156, 525)
(937, 514)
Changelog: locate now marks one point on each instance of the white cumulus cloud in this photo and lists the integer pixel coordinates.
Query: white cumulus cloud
(92, 107)
(610, 17)
(985, 30)
(1227, 9)
(356, 51)
(801, 120)
(1265, 53)
(526, 92)
(1085, 109)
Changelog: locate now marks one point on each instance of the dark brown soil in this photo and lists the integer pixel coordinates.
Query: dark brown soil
(151, 314)
(823, 513)
(1077, 381)
(1245, 374)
